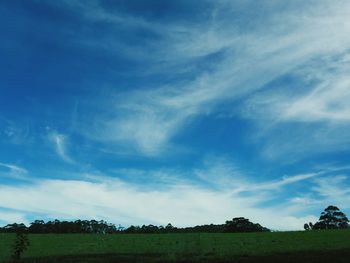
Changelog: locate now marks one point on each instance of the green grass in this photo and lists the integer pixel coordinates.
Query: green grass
(176, 247)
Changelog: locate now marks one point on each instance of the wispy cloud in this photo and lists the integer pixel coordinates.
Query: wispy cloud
(239, 63)
(322, 98)
(305, 120)
(284, 181)
(12, 171)
(326, 190)
(14, 132)
(59, 142)
(14, 168)
(180, 200)
(9, 217)
(334, 188)
(180, 205)
(224, 173)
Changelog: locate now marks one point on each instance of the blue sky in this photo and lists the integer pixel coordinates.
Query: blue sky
(189, 112)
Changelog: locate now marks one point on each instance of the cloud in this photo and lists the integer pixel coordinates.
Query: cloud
(13, 172)
(182, 202)
(323, 98)
(286, 180)
(222, 173)
(9, 217)
(334, 189)
(180, 205)
(14, 168)
(328, 102)
(306, 119)
(12, 132)
(237, 64)
(59, 142)
(331, 189)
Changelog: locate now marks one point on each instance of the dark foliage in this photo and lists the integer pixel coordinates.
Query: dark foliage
(331, 218)
(58, 227)
(14, 228)
(20, 245)
(306, 226)
(239, 224)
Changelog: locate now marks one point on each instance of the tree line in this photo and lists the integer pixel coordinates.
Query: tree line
(58, 227)
(238, 224)
(330, 218)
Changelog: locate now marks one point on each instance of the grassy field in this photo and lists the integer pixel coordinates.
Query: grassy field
(311, 246)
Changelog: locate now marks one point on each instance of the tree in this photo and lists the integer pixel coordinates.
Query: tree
(14, 228)
(306, 226)
(38, 226)
(332, 218)
(20, 245)
(241, 224)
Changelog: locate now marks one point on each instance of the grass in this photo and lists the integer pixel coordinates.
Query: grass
(203, 247)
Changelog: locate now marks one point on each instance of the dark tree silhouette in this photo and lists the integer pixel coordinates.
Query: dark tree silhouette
(241, 224)
(14, 228)
(20, 245)
(238, 224)
(306, 226)
(332, 218)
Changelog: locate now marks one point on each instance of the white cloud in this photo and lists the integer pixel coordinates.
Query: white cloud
(324, 101)
(182, 202)
(223, 173)
(334, 189)
(328, 102)
(120, 202)
(286, 180)
(59, 142)
(9, 217)
(14, 168)
(147, 119)
(13, 172)
(299, 121)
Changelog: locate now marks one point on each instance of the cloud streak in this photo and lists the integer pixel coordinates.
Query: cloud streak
(59, 142)
(319, 114)
(13, 172)
(9, 217)
(181, 202)
(14, 168)
(180, 205)
(148, 119)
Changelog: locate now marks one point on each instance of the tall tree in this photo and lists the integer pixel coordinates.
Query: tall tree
(332, 218)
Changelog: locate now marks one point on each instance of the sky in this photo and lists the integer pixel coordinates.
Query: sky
(183, 112)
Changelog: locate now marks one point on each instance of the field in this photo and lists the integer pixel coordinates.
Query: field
(310, 246)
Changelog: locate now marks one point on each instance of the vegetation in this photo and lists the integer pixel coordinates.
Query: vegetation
(185, 247)
(99, 241)
(56, 226)
(20, 245)
(238, 224)
(331, 218)
(241, 224)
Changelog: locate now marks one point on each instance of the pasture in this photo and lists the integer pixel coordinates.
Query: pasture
(307, 246)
